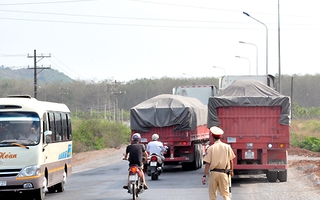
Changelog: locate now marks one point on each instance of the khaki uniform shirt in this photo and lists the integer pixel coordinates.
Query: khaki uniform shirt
(219, 155)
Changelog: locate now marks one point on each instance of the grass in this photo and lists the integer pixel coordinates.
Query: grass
(306, 134)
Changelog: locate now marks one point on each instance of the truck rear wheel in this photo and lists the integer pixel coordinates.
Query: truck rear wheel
(200, 156)
(197, 159)
(282, 176)
(272, 176)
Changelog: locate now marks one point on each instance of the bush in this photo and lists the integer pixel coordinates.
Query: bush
(95, 134)
(311, 143)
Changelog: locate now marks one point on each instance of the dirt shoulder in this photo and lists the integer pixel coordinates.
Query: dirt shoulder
(306, 162)
(98, 158)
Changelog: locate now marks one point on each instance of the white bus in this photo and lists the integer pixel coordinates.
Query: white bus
(35, 146)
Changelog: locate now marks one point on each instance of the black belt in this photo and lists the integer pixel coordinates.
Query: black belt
(218, 170)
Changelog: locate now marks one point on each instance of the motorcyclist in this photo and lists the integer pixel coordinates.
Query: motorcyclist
(156, 147)
(134, 154)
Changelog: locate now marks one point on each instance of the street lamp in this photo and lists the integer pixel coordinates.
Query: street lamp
(224, 71)
(256, 54)
(266, 40)
(188, 75)
(249, 62)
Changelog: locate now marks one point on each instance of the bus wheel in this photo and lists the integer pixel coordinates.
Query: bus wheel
(61, 186)
(40, 193)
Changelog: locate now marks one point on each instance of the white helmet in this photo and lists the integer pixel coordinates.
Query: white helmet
(155, 136)
(136, 137)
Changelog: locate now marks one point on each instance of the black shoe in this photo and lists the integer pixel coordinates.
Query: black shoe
(145, 187)
(125, 187)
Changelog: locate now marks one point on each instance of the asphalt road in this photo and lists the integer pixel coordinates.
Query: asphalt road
(102, 178)
(105, 183)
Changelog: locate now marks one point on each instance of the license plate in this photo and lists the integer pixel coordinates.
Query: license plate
(153, 164)
(249, 155)
(144, 140)
(231, 139)
(3, 183)
(133, 177)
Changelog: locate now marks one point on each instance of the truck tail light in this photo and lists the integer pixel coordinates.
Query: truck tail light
(281, 145)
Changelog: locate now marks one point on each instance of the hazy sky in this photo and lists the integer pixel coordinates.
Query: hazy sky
(129, 39)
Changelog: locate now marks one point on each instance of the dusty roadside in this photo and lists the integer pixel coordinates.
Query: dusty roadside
(91, 159)
(305, 162)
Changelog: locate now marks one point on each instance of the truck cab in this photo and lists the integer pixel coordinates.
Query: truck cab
(226, 81)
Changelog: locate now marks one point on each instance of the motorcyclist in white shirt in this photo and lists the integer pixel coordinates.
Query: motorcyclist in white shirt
(156, 147)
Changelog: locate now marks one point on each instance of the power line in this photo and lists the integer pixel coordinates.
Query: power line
(51, 2)
(226, 23)
(64, 66)
(148, 25)
(148, 19)
(132, 25)
(12, 55)
(117, 17)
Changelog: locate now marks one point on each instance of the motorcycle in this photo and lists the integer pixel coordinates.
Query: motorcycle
(155, 166)
(135, 186)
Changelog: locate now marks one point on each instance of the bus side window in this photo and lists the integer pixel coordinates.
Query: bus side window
(64, 126)
(69, 127)
(52, 126)
(58, 123)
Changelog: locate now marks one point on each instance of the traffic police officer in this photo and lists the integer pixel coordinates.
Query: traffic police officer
(219, 159)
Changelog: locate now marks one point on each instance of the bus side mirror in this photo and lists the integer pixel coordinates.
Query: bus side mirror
(47, 136)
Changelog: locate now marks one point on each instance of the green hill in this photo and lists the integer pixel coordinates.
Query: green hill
(43, 75)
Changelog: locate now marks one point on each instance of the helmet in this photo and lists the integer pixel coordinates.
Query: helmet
(136, 137)
(155, 136)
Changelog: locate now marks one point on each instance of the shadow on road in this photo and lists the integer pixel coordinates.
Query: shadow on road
(248, 179)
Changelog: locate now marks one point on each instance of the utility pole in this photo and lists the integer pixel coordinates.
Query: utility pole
(116, 94)
(35, 68)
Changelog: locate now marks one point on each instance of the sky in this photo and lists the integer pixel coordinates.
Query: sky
(124, 40)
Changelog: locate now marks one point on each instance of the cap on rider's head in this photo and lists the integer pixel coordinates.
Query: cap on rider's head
(155, 137)
(136, 137)
(216, 131)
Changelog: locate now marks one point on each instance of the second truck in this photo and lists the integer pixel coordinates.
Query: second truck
(181, 124)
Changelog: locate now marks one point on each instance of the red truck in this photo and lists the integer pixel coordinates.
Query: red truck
(181, 124)
(256, 122)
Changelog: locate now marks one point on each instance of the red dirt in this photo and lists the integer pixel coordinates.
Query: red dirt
(311, 166)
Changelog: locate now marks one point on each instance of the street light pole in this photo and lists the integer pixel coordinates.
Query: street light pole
(256, 54)
(188, 75)
(266, 39)
(249, 62)
(224, 71)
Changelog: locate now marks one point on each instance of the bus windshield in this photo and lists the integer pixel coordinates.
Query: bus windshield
(19, 128)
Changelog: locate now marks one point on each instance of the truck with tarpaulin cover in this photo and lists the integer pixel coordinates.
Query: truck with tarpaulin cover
(256, 122)
(181, 124)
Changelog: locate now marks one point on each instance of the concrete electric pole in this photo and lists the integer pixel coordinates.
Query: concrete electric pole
(35, 56)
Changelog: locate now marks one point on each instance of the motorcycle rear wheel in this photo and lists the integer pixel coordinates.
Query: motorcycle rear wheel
(134, 192)
(154, 176)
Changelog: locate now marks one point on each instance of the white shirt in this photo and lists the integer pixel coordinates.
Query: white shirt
(155, 147)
